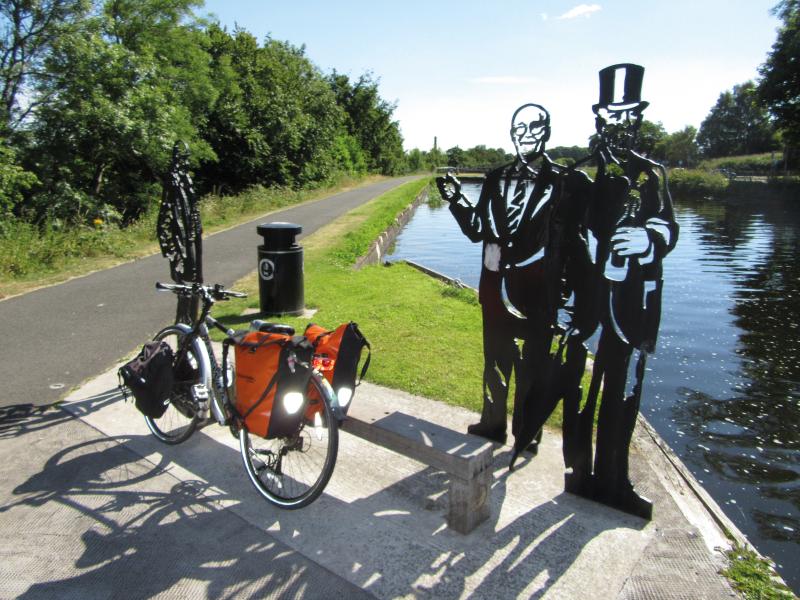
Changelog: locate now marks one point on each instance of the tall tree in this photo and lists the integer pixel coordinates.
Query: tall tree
(455, 157)
(650, 135)
(678, 149)
(120, 91)
(369, 120)
(780, 74)
(737, 124)
(276, 121)
(28, 31)
(105, 135)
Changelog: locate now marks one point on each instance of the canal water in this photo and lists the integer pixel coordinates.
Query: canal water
(723, 387)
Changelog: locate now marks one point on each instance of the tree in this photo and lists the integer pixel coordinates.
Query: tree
(14, 181)
(737, 124)
(650, 135)
(481, 156)
(276, 121)
(369, 120)
(28, 31)
(415, 160)
(678, 149)
(455, 157)
(120, 90)
(574, 153)
(779, 87)
(105, 135)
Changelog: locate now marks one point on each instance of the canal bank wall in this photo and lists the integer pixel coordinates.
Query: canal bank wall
(384, 241)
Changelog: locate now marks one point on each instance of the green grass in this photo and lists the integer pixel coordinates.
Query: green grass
(696, 182)
(753, 576)
(426, 336)
(760, 163)
(32, 256)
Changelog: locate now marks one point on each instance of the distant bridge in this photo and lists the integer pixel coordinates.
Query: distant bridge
(464, 169)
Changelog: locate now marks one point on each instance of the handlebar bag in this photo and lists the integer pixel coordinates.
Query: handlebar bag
(150, 378)
(344, 345)
(268, 367)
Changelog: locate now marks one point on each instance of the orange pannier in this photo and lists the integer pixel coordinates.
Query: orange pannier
(264, 374)
(343, 347)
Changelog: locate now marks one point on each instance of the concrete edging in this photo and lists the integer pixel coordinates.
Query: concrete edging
(379, 247)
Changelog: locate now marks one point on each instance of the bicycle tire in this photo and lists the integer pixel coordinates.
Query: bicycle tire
(174, 427)
(302, 473)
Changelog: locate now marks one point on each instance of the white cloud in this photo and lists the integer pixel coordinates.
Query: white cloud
(544, 17)
(504, 80)
(582, 10)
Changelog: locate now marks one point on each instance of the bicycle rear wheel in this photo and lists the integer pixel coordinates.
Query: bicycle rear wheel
(180, 420)
(292, 472)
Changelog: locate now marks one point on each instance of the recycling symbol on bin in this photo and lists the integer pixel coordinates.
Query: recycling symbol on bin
(266, 269)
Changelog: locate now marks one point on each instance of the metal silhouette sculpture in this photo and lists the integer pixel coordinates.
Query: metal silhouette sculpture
(179, 230)
(512, 218)
(591, 250)
(632, 219)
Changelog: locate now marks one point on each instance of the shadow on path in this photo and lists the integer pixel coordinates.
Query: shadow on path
(144, 531)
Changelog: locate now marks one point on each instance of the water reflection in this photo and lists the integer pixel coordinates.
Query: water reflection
(724, 383)
(746, 425)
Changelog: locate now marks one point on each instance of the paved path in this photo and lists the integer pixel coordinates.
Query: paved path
(57, 337)
(93, 507)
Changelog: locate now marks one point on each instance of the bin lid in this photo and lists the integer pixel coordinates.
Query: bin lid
(279, 234)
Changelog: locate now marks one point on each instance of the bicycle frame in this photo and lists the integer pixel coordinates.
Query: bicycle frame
(211, 372)
(205, 385)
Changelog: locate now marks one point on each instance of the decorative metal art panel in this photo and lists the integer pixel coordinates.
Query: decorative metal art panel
(179, 231)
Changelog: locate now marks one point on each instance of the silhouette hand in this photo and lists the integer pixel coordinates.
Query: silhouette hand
(449, 187)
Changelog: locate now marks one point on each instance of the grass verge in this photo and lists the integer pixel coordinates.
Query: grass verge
(32, 257)
(754, 576)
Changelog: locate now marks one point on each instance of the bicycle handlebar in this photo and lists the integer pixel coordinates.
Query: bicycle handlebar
(217, 292)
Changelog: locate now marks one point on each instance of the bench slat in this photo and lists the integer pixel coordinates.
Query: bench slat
(461, 454)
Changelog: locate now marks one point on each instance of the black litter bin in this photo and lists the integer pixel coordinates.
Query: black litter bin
(280, 269)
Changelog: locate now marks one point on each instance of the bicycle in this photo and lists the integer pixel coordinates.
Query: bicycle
(290, 471)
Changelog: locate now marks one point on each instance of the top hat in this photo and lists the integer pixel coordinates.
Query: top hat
(628, 94)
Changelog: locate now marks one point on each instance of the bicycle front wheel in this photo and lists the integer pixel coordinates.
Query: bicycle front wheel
(291, 472)
(180, 419)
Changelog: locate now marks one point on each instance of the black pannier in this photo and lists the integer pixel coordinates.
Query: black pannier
(150, 378)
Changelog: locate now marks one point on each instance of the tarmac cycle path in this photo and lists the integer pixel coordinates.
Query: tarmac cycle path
(56, 337)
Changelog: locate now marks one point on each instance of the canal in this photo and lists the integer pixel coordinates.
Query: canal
(723, 388)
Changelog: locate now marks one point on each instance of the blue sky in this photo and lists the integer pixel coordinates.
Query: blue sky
(457, 70)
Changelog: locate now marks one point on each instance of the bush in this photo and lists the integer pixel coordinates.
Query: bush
(695, 182)
(751, 163)
(27, 249)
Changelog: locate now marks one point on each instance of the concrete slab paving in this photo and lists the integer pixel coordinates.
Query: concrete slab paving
(96, 507)
(83, 516)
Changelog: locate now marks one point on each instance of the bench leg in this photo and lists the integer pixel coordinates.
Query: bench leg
(469, 501)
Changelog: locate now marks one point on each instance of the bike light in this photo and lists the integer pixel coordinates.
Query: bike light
(292, 401)
(344, 395)
(322, 363)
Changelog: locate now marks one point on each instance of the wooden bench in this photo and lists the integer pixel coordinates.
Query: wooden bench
(466, 458)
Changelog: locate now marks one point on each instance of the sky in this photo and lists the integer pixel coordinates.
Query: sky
(458, 70)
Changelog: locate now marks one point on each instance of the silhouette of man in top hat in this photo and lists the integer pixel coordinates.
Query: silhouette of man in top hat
(630, 225)
(514, 219)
